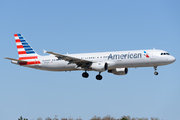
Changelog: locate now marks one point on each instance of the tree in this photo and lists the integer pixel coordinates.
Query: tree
(21, 118)
(78, 119)
(63, 118)
(108, 117)
(39, 118)
(154, 118)
(48, 118)
(96, 118)
(124, 118)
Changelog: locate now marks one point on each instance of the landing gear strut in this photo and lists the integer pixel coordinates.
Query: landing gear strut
(99, 77)
(155, 68)
(85, 75)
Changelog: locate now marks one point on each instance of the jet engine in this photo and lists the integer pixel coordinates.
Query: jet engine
(119, 71)
(99, 66)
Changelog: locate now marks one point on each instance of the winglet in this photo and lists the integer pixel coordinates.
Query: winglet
(44, 51)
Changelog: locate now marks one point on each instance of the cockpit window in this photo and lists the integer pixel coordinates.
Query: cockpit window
(165, 54)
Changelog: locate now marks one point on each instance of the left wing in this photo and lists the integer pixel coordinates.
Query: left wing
(79, 62)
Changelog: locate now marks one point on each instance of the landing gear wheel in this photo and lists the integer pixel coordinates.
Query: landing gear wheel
(85, 75)
(155, 68)
(99, 77)
(155, 73)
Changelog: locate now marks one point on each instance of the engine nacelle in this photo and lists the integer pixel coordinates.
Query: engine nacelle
(119, 71)
(99, 66)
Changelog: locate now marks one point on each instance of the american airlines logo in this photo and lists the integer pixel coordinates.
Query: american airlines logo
(125, 56)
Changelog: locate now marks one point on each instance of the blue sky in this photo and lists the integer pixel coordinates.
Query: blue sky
(90, 26)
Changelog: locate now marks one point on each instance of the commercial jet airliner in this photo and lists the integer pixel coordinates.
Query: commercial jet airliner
(113, 62)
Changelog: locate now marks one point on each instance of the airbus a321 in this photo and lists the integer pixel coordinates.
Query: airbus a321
(113, 62)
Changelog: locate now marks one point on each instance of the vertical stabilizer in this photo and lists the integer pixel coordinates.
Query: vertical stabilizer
(23, 47)
(25, 51)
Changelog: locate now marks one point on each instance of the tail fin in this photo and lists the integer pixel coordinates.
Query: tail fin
(24, 49)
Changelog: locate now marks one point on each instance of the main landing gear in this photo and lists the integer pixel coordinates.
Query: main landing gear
(99, 77)
(155, 68)
(86, 75)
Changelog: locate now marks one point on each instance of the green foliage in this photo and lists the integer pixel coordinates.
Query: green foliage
(21, 118)
(124, 118)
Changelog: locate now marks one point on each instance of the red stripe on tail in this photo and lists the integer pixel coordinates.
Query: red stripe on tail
(21, 52)
(18, 40)
(26, 58)
(20, 46)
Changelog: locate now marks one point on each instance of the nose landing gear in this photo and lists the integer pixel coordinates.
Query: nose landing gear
(155, 68)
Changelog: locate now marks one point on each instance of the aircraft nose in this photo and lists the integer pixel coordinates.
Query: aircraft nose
(171, 59)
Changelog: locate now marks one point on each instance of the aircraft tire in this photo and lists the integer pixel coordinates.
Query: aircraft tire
(99, 77)
(85, 75)
(155, 73)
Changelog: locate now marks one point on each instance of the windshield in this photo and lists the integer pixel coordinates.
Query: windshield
(165, 54)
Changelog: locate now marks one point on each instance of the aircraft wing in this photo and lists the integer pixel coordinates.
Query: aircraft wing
(15, 60)
(80, 62)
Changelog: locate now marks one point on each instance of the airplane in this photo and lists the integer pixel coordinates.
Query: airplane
(116, 62)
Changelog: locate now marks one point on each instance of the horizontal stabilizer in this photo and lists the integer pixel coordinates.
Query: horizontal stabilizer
(15, 60)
